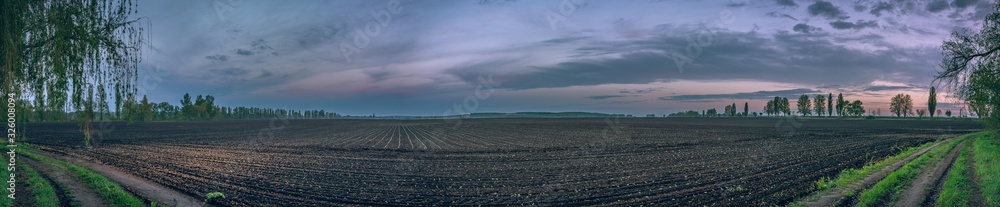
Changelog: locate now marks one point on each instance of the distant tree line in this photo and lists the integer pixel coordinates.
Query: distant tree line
(200, 108)
(780, 106)
(900, 105)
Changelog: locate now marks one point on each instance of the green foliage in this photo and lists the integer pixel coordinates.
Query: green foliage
(855, 109)
(840, 104)
(804, 105)
(987, 158)
(772, 106)
(971, 62)
(957, 186)
(778, 106)
(685, 114)
(212, 196)
(42, 191)
(889, 186)
(829, 105)
(820, 105)
(932, 101)
(107, 189)
(822, 183)
(901, 105)
(729, 110)
(853, 175)
(982, 94)
(746, 108)
(785, 107)
(5, 175)
(60, 53)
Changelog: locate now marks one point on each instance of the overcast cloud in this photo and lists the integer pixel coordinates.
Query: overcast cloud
(421, 57)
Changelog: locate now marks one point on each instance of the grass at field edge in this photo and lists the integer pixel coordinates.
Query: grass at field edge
(42, 191)
(887, 188)
(5, 176)
(987, 158)
(957, 186)
(853, 175)
(113, 193)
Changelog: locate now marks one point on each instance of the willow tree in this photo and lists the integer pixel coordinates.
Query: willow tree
(60, 52)
(970, 67)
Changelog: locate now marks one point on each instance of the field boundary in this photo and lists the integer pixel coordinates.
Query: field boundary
(80, 194)
(724, 162)
(987, 167)
(976, 194)
(916, 192)
(162, 195)
(837, 195)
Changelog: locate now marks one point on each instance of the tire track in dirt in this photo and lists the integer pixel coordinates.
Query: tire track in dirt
(64, 195)
(82, 193)
(163, 196)
(976, 196)
(920, 188)
(976, 199)
(835, 197)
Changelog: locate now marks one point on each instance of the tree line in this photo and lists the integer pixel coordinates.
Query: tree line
(901, 105)
(780, 106)
(196, 109)
(820, 105)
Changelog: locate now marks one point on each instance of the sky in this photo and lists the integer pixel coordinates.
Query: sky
(405, 57)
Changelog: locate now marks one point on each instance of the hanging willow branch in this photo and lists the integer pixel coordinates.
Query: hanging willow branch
(62, 51)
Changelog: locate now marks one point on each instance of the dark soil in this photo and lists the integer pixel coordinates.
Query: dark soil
(662, 161)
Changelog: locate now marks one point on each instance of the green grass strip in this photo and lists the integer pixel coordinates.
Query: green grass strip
(108, 189)
(957, 186)
(987, 157)
(897, 180)
(853, 175)
(4, 176)
(113, 193)
(856, 174)
(43, 192)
